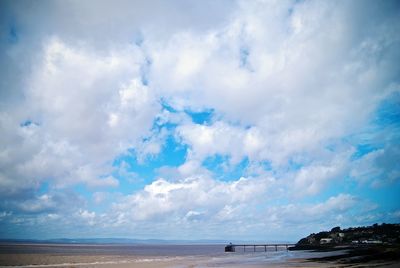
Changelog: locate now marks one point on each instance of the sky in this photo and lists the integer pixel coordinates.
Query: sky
(231, 120)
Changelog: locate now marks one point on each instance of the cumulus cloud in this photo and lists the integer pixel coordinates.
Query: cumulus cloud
(190, 197)
(97, 98)
(313, 178)
(82, 110)
(315, 82)
(223, 139)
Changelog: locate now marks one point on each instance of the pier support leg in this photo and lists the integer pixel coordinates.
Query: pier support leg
(276, 247)
(265, 248)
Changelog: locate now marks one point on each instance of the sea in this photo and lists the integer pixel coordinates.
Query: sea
(94, 255)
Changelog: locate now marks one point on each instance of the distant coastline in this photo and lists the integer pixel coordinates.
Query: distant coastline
(130, 241)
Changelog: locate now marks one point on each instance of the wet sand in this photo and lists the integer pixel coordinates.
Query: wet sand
(84, 256)
(45, 260)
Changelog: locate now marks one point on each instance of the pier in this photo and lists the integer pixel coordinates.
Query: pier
(254, 247)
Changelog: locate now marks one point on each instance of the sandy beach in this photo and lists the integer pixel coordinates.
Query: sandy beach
(112, 261)
(179, 256)
(44, 260)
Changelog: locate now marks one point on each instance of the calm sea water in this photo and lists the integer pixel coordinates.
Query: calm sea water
(113, 249)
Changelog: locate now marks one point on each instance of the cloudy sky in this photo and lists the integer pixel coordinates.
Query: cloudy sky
(249, 120)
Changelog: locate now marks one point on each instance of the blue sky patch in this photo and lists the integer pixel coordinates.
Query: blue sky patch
(203, 118)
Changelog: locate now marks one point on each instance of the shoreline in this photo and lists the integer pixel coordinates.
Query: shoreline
(318, 257)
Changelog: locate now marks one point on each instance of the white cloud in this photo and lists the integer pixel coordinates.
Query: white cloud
(322, 213)
(84, 109)
(87, 216)
(53, 201)
(43, 202)
(76, 91)
(311, 179)
(177, 199)
(314, 83)
(378, 168)
(223, 139)
(285, 81)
